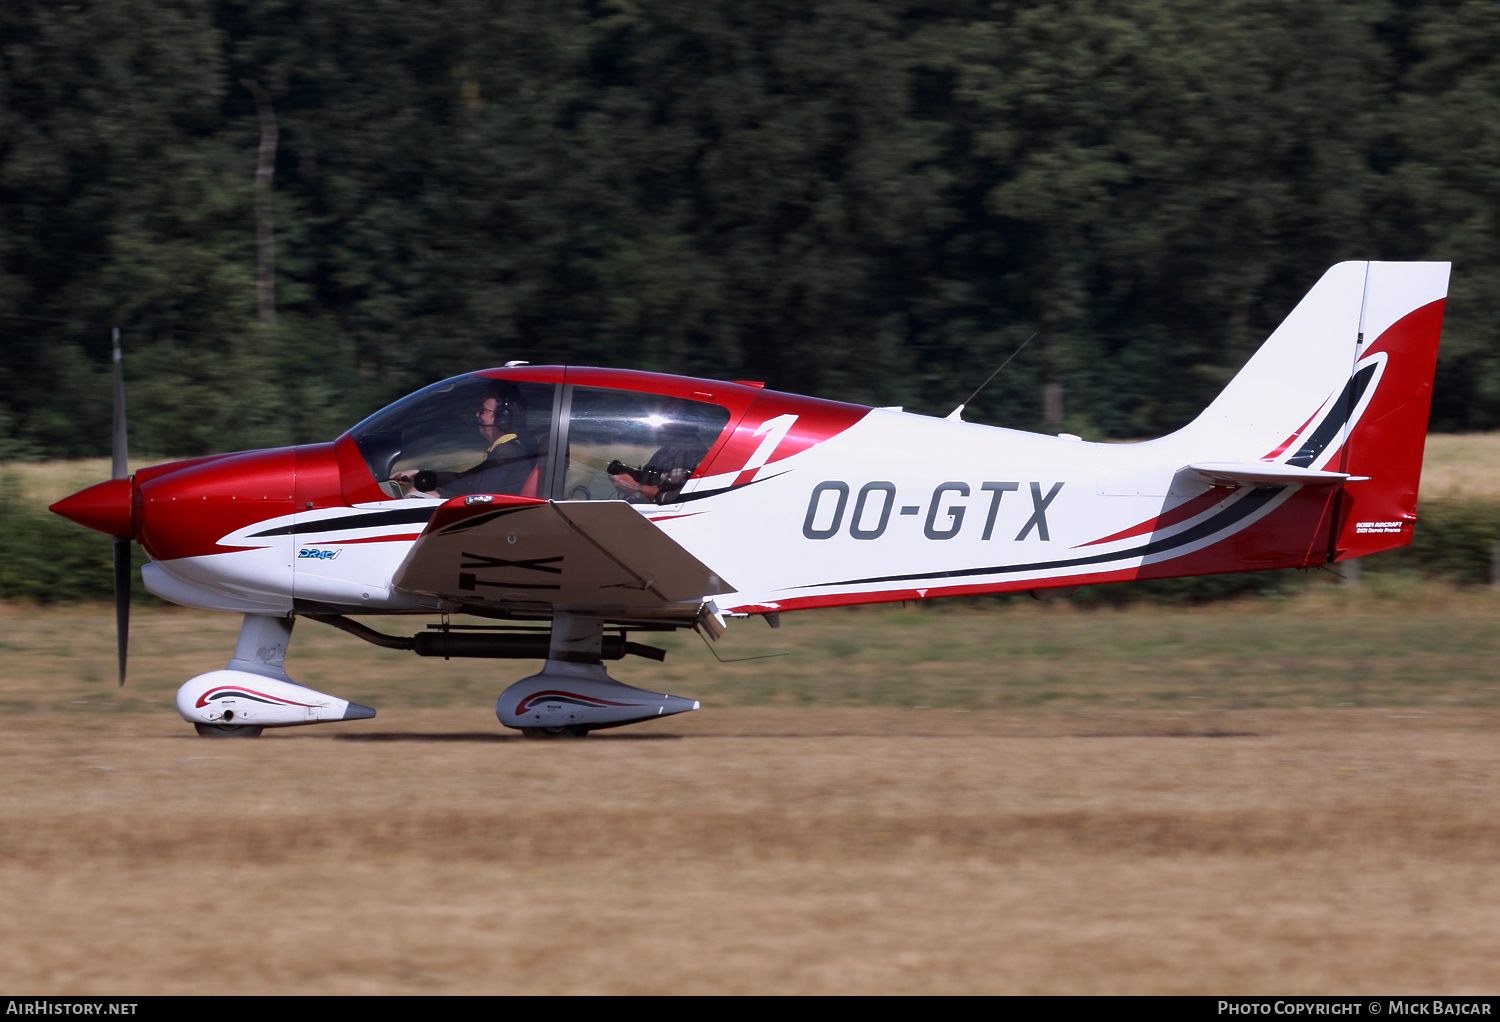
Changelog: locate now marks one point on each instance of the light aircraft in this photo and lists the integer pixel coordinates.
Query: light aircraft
(567, 508)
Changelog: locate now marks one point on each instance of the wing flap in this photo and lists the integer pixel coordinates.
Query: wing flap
(598, 554)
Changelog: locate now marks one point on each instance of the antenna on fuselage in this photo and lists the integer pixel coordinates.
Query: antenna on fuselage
(957, 413)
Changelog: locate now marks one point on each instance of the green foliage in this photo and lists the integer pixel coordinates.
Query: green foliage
(869, 199)
(1195, 589)
(47, 559)
(1453, 539)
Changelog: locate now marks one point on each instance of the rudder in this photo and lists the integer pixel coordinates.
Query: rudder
(1400, 322)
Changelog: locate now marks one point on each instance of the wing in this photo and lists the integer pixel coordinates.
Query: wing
(597, 555)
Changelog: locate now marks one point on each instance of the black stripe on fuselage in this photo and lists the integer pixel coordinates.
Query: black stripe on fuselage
(1236, 512)
(700, 494)
(366, 520)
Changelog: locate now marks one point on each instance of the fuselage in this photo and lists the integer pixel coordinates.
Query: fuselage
(798, 502)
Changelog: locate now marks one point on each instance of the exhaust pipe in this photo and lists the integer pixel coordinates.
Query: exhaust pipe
(485, 645)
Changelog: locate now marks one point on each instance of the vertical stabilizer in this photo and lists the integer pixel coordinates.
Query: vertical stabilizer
(1293, 376)
(1343, 385)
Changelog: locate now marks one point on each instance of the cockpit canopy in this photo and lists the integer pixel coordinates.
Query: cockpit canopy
(479, 434)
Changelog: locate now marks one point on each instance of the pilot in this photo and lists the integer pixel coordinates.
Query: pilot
(507, 463)
(661, 479)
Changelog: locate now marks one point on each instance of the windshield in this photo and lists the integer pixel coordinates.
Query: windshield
(468, 434)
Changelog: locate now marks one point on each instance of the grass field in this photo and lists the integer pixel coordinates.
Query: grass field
(1462, 465)
(1386, 643)
(46, 482)
(1275, 795)
(1278, 796)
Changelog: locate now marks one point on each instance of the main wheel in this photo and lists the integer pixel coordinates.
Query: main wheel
(543, 733)
(228, 730)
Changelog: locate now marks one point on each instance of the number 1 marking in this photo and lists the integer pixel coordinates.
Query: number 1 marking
(775, 431)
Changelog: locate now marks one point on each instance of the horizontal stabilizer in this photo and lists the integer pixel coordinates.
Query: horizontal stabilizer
(1260, 473)
(601, 555)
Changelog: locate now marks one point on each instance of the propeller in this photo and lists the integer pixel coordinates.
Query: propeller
(120, 470)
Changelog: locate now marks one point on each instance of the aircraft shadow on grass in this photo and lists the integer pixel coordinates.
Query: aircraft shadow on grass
(483, 736)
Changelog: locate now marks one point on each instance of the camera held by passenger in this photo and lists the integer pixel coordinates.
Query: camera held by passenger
(643, 476)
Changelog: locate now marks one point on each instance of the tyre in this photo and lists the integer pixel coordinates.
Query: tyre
(228, 730)
(545, 733)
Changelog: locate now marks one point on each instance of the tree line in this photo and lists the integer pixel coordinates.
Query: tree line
(874, 200)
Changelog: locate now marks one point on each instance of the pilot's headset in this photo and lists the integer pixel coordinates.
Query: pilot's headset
(510, 406)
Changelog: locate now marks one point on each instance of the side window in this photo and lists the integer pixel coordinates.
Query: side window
(469, 434)
(637, 447)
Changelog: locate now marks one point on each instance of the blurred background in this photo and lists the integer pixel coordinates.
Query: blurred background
(296, 212)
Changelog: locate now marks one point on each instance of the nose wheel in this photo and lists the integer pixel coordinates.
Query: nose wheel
(228, 730)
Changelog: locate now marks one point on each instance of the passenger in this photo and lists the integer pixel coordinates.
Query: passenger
(507, 463)
(661, 479)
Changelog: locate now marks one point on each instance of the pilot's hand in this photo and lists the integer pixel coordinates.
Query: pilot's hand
(408, 479)
(625, 484)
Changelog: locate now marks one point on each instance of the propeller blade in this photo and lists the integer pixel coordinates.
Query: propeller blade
(120, 469)
(119, 463)
(122, 600)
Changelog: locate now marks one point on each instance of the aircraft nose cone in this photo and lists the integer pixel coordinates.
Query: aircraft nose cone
(103, 506)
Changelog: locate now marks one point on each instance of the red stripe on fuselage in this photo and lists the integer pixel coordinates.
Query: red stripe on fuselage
(203, 699)
(1180, 513)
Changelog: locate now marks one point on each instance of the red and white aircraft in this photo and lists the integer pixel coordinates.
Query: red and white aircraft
(590, 503)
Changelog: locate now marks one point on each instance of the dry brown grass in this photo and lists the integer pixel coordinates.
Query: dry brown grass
(1293, 796)
(798, 835)
(47, 482)
(1462, 465)
(741, 851)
